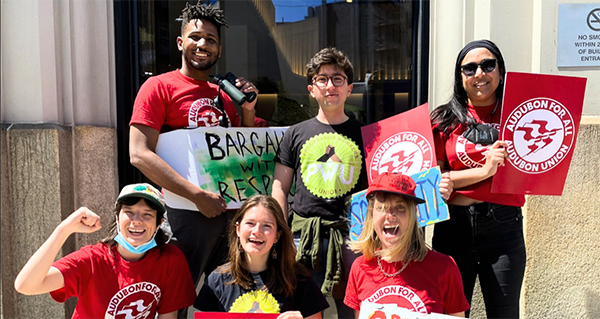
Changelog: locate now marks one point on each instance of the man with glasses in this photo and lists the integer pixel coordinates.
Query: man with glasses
(324, 157)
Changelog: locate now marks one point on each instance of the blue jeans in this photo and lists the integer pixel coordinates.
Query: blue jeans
(348, 256)
(487, 240)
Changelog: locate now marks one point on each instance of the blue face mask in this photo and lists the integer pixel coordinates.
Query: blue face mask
(134, 250)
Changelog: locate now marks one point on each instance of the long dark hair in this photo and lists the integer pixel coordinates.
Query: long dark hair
(282, 270)
(161, 238)
(446, 117)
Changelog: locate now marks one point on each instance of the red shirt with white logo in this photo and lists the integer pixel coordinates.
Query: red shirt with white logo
(433, 285)
(110, 287)
(171, 101)
(459, 153)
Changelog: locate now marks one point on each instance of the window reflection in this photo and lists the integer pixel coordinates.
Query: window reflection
(270, 42)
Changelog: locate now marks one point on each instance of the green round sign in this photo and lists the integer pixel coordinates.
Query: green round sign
(330, 165)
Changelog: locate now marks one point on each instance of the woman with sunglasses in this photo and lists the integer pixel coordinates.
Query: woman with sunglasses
(131, 273)
(262, 275)
(485, 232)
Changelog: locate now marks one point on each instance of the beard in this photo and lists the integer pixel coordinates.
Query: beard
(204, 66)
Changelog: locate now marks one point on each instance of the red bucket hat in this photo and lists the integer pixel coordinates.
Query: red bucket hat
(395, 183)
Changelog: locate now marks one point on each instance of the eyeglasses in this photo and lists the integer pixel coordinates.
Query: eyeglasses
(336, 80)
(486, 66)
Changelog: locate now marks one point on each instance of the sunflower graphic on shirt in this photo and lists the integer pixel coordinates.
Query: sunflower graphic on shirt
(257, 301)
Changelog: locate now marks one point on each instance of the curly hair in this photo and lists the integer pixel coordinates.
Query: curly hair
(329, 56)
(204, 12)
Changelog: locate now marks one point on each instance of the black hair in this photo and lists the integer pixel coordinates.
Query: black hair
(446, 117)
(161, 238)
(204, 12)
(329, 56)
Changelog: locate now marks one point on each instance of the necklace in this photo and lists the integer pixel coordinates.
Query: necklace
(394, 274)
(491, 116)
(494, 111)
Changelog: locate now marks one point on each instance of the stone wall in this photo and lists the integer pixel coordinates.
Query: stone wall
(47, 172)
(562, 235)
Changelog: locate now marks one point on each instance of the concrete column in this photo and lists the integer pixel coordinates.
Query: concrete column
(5, 222)
(59, 65)
(48, 171)
(95, 176)
(21, 65)
(446, 39)
(39, 166)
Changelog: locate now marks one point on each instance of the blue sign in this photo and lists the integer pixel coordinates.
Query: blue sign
(434, 210)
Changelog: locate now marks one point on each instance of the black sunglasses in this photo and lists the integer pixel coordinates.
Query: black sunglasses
(486, 66)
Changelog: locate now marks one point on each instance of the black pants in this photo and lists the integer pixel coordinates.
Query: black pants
(487, 240)
(203, 240)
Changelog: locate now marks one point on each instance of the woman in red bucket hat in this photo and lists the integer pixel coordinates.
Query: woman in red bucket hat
(396, 266)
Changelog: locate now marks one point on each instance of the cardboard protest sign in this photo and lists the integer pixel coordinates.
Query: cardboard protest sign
(400, 144)
(234, 315)
(357, 213)
(540, 121)
(434, 209)
(369, 310)
(235, 163)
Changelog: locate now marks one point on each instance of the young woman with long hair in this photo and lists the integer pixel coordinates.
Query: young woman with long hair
(262, 274)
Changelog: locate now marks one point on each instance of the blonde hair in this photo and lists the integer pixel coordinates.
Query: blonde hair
(412, 242)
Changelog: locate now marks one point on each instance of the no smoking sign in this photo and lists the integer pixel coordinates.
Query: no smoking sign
(578, 35)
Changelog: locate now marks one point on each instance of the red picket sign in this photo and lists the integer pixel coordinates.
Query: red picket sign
(234, 315)
(402, 143)
(540, 121)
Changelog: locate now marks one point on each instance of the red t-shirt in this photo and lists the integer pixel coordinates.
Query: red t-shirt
(110, 287)
(433, 285)
(459, 153)
(171, 101)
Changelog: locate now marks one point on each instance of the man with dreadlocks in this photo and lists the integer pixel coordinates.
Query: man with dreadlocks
(184, 99)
